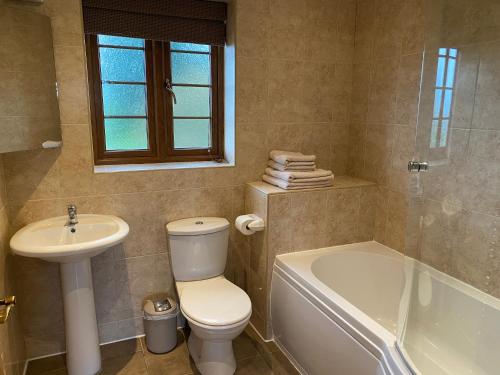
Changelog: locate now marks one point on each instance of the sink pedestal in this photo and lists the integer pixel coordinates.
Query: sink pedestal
(72, 246)
(83, 356)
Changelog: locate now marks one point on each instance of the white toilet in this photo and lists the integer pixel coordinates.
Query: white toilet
(216, 309)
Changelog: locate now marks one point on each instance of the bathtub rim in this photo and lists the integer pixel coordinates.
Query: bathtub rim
(374, 337)
(350, 310)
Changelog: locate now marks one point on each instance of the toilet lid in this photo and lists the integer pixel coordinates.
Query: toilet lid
(215, 302)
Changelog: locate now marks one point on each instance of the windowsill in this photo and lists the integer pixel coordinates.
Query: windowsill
(160, 166)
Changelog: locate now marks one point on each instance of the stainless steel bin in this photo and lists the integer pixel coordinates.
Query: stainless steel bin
(160, 325)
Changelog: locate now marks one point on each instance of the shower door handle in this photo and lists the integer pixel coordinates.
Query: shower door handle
(418, 166)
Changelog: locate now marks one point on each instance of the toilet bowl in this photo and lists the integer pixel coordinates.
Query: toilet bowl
(216, 310)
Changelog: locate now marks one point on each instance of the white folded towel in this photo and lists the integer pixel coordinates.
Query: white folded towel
(287, 185)
(293, 166)
(286, 157)
(298, 176)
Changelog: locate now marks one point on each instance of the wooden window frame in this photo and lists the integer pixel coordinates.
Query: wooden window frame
(159, 109)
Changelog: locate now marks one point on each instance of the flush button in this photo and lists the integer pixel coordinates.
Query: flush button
(199, 223)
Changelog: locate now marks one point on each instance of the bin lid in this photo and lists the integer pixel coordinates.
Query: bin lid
(161, 308)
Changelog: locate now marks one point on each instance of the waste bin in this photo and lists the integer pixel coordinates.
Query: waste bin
(160, 325)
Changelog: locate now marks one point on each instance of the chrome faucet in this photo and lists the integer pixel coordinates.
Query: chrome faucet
(72, 218)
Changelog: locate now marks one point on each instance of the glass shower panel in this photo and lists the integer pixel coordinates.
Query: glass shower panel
(450, 313)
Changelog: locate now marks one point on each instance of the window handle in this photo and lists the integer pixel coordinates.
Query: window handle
(168, 87)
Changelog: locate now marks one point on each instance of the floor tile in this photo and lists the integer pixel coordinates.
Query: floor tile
(244, 347)
(42, 365)
(62, 371)
(175, 362)
(132, 364)
(253, 366)
(121, 348)
(131, 357)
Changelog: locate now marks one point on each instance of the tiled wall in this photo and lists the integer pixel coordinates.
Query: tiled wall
(293, 75)
(302, 220)
(12, 352)
(454, 218)
(387, 65)
(459, 199)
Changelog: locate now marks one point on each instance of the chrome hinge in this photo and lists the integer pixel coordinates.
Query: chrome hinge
(417, 166)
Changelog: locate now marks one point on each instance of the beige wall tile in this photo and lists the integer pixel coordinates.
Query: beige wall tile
(397, 212)
(383, 92)
(343, 213)
(378, 153)
(285, 94)
(253, 29)
(12, 349)
(340, 148)
(408, 89)
(72, 84)
(307, 212)
(279, 222)
(252, 90)
(361, 81)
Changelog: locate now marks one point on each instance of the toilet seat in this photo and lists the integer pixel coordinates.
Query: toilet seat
(215, 302)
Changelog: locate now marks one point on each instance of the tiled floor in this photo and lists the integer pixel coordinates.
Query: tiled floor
(131, 357)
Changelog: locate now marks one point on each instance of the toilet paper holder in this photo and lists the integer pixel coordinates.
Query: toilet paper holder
(249, 224)
(256, 225)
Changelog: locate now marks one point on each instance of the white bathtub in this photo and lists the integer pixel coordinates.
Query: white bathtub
(336, 311)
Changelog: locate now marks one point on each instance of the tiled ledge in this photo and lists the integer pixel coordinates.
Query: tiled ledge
(339, 182)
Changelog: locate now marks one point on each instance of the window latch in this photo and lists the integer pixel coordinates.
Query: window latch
(168, 87)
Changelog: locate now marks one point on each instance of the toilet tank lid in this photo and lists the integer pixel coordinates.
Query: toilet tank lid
(197, 225)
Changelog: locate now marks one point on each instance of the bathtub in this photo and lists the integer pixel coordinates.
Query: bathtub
(336, 311)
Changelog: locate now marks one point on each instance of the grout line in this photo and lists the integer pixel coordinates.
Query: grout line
(64, 352)
(103, 195)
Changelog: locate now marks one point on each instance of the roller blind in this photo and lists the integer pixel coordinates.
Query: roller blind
(191, 21)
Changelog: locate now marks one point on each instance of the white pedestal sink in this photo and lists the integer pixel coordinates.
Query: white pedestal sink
(72, 247)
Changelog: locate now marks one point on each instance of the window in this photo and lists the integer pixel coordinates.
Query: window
(443, 96)
(155, 101)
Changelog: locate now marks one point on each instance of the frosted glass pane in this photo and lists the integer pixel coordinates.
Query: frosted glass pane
(442, 51)
(437, 102)
(440, 71)
(192, 134)
(124, 100)
(434, 132)
(189, 47)
(122, 65)
(120, 41)
(191, 68)
(450, 72)
(448, 95)
(126, 134)
(444, 133)
(192, 101)
(453, 52)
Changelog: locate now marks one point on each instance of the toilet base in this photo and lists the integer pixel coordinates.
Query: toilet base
(212, 357)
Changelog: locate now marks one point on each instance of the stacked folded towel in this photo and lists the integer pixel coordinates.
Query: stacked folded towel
(293, 171)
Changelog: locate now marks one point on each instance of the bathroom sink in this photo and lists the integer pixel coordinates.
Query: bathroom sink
(72, 240)
(54, 241)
